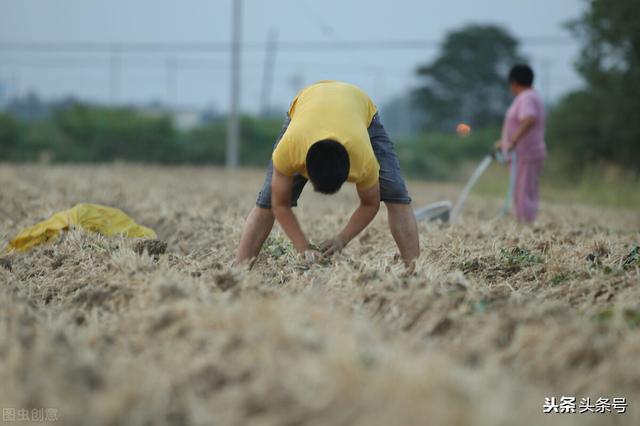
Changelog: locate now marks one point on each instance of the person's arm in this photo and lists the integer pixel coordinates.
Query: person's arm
(360, 219)
(524, 127)
(281, 186)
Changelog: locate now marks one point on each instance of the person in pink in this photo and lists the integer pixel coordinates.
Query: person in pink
(523, 133)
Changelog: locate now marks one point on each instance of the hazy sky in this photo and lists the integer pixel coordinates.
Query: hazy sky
(202, 79)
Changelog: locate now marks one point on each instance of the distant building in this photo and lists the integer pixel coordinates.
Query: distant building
(181, 117)
(186, 119)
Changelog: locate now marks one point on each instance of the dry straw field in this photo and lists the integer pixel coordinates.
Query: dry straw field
(495, 318)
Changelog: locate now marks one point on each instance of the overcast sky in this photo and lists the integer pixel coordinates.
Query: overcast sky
(202, 79)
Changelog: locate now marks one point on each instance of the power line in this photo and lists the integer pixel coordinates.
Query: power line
(205, 65)
(126, 62)
(220, 47)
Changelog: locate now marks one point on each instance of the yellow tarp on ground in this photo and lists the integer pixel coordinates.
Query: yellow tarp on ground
(107, 221)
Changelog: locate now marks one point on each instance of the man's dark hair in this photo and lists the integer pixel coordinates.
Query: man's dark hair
(522, 75)
(327, 166)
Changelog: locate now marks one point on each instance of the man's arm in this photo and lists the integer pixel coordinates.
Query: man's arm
(524, 127)
(281, 186)
(364, 214)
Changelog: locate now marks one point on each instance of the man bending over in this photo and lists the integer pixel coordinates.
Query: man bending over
(332, 134)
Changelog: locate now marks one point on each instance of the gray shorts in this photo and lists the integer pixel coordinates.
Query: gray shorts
(392, 186)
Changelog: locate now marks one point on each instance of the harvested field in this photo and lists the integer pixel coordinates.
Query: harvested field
(496, 317)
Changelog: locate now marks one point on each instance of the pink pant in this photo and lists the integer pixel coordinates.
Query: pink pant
(525, 192)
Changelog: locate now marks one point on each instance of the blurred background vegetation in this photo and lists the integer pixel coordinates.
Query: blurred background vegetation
(592, 134)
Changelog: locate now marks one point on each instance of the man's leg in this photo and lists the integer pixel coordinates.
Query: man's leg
(260, 220)
(393, 192)
(256, 230)
(404, 229)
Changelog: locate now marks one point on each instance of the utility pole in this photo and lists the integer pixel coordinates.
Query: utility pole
(171, 82)
(268, 71)
(233, 130)
(115, 65)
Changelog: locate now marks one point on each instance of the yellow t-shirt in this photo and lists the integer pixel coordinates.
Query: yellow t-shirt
(330, 110)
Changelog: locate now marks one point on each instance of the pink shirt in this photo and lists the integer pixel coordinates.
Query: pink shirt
(531, 145)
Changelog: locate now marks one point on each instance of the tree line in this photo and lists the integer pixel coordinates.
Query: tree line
(80, 132)
(466, 82)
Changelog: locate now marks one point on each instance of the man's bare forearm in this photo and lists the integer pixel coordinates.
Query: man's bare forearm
(287, 220)
(359, 220)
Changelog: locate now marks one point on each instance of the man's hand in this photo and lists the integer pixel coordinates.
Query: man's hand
(496, 148)
(312, 256)
(332, 246)
(308, 258)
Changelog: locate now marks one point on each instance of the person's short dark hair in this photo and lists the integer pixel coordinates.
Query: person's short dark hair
(522, 75)
(327, 166)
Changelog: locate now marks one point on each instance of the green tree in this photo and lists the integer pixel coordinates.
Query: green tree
(205, 144)
(467, 81)
(10, 138)
(93, 133)
(610, 63)
(257, 137)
